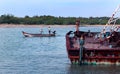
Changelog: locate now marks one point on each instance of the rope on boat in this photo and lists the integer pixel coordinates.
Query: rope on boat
(112, 19)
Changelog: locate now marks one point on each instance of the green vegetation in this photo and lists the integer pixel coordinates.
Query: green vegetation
(47, 20)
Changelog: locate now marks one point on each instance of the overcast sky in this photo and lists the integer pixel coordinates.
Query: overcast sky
(65, 8)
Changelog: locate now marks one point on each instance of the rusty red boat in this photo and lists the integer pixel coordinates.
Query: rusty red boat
(86, 47)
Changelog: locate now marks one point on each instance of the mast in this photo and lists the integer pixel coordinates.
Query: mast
(77, 25)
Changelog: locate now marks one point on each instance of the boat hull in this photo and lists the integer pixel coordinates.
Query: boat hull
(37, 35)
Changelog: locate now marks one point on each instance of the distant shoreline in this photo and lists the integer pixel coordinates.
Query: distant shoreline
(40, 26)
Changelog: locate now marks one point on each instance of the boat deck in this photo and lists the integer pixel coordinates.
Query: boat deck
(92, 43)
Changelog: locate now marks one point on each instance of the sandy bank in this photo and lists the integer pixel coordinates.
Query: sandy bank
(41, 26)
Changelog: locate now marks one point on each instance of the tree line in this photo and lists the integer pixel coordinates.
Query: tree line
(52, 20)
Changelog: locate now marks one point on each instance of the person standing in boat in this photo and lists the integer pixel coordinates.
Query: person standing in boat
(89, 34)
(49, 30)
(41, 31)
(103, 33)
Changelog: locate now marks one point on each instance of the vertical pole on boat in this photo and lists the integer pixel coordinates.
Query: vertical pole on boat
(81, 49)
(77, 25)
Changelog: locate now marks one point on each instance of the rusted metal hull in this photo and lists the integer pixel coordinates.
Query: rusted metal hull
(94, 52)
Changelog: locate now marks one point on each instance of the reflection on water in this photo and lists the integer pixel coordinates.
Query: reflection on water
(21, 55)
(94, 69)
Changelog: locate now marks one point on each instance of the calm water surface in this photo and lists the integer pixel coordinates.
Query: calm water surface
(47, 55)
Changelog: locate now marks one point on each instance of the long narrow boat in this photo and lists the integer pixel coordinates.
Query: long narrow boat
(85, 47)
(38, 35)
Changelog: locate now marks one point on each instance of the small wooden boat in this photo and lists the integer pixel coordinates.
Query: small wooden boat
(38, 35)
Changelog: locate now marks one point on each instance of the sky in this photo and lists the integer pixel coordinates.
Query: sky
(64, 8)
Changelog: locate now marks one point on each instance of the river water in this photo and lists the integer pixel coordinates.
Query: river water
(42, 55)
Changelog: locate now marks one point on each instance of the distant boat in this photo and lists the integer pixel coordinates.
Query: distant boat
(38, 35)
